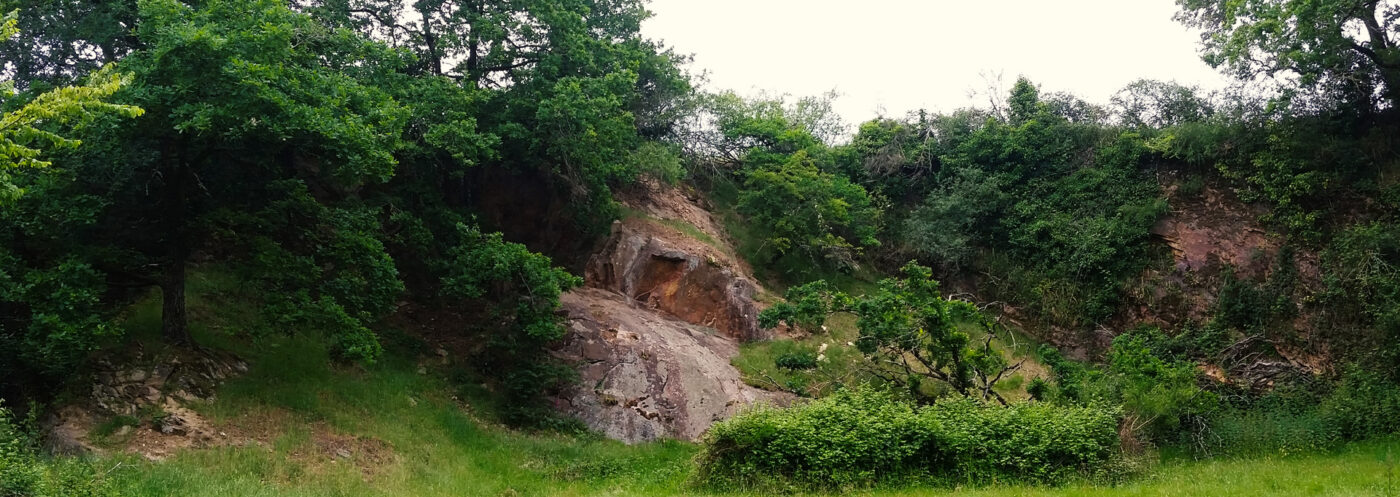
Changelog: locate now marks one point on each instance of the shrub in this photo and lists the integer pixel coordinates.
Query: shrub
(804, 210)
(857, 438)
(23, 473)
(1296, 419)
(1366, 404)
(799, 360)
(522, 289)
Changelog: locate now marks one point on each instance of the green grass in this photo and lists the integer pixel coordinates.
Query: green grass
(433, 444)
(438, 447)
(757, 361)
(685, 228)
(428, 442)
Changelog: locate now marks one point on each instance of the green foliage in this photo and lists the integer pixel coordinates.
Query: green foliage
(1327, 46)
(1156, 104)
(865, 437)
(1024, 102)
(1157, 390)
(1056, 211)
(805, 211)
(806, 307)
(25, 132)
(1158, 394)
(59, 317)
(322, 268)
(523, 288)
(950, 224)
(1308, 416)
(800, 360)
(657, 161)
(1364, 405)
(1362, 265)
(908, 331)
(25, 473)
(329, 165)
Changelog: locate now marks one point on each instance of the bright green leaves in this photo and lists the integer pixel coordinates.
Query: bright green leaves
(526, 283)
(9, 25)
(806, 307)
(821, 216)
(1158, 392)
(862, 438)
(584, 123)
(27, 131)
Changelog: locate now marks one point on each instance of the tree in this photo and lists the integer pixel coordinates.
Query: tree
(239, 96)
(1322, 43)
(802, 209)
(1159, 104)
(50, 308)
(1024, 103)
(908, 331)
(60, 42)
(569, 87)
(523, 289)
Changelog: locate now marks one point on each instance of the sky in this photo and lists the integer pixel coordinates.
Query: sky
(888, 57)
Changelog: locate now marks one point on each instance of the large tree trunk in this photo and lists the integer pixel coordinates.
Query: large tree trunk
(434, 59)
(174, 322)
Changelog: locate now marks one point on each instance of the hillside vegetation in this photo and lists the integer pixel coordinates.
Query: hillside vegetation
(270, 247)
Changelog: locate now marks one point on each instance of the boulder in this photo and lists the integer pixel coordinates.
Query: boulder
(646, 376)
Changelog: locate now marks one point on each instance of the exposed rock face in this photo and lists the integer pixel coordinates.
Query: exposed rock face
(646, 376)
(679, 276)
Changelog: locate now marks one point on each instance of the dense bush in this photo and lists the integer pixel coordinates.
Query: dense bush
(1157, 390)
(522, 289)
(1055, 210)
(865, 437)
(1304, 416)
(797, 360)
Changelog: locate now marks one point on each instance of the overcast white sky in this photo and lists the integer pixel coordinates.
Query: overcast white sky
(902, 55)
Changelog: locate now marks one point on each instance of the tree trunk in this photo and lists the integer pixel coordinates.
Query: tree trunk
(174, 322)
(474, 46)
(434, 59)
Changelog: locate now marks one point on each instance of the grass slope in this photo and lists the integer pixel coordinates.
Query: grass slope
(312, 429)
(437, 447)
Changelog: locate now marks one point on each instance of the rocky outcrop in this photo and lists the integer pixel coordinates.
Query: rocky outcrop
(679, 276)
(645, 376)
(665, 305)
(151, 391)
